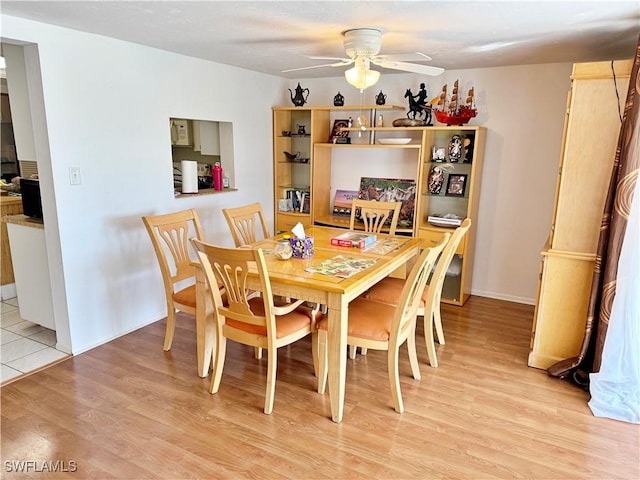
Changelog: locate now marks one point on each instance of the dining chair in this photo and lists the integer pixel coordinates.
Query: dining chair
(243, 222)
(389, 290)
(375, 214)
(381, 326)
(170, 234)
(250, 317)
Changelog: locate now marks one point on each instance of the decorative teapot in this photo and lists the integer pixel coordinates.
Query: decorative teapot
(300, 97)
(338, 100)
(381, 98)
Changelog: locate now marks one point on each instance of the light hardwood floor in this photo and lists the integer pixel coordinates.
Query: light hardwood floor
(129, 410)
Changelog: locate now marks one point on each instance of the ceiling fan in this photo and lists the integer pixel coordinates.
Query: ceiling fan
(362, 46)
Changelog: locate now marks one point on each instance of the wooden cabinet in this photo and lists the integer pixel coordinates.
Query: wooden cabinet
(591, 129)
(10, 206)
(317, 165)
(295, 131)
(452, 188)
(206, 137)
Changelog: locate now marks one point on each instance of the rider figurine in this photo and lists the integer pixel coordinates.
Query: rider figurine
(421, 97)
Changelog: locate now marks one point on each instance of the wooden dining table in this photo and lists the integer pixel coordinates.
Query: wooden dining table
(292, 279)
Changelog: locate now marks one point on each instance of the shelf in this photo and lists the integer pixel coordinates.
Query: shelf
(367, 145)
(345, 107)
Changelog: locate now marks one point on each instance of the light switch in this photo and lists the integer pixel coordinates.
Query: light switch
(74, 176)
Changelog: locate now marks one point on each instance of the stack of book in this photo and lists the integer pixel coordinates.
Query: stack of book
(300, 200)
(353, 240)
(446, 220)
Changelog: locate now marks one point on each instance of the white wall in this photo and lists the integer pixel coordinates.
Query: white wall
(523, 109)
(107, 107)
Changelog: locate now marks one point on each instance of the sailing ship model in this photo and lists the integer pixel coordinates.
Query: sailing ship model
(449, 111)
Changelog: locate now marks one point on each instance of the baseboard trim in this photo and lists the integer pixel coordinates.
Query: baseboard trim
(8, 291)
(500, 296)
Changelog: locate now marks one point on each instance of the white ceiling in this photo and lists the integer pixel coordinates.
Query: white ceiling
(270, 36)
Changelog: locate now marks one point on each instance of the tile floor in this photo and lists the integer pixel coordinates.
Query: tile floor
(25, 345)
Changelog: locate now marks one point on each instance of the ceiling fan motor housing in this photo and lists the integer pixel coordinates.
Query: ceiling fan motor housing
(362, 42)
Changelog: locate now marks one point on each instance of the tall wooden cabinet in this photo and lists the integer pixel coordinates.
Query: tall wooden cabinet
(590, 137)
(311, 174)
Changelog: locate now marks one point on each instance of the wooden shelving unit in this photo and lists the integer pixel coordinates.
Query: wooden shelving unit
(315, 176)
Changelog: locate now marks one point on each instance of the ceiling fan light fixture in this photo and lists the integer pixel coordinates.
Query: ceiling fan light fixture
(361, 77)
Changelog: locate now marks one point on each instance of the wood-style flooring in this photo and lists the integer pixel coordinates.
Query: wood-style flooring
(129, 410)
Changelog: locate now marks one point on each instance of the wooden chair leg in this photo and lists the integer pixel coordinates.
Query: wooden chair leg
(437, 320)
(363, 350)
(314, 352)
(257, 351)
(429, 341)
(323, 360)
(171, 327)
(394, 378)
(272, 368)
(218, 361)
(352, 351)
(413, 355)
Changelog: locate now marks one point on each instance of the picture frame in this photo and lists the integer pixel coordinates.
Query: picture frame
(456, 185)
(335, 131)
(391, 190)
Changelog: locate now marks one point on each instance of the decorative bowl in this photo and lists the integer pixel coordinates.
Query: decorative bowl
(408, 122)
(394, 141)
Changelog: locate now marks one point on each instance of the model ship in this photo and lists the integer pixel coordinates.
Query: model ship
(450, 111)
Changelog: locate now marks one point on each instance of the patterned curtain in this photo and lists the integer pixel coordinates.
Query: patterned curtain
(612, 232)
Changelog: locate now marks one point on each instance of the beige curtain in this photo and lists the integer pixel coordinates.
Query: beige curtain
(614, 224)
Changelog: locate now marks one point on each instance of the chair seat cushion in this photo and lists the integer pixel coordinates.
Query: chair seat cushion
(285, 324)
(367, 319)
(388, 291)
(186, 296)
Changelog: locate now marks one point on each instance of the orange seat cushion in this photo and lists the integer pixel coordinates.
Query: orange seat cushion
(186, 296)
(367, 319)
(388, 291)
(285, 324)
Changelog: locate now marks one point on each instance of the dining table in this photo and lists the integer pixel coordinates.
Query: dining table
(332, 277)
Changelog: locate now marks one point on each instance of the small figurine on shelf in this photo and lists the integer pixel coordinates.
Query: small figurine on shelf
(338, 100)
(381, 98)
(418, 105)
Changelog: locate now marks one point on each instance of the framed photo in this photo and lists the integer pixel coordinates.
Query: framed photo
(456, 185)
(335, 131)
(391, 190)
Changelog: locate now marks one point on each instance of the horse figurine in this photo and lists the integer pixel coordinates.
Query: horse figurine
(417, 109)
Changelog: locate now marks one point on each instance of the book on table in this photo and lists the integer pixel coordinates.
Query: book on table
(353, 239)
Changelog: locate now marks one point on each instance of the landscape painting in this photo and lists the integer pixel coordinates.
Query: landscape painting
(391, 190)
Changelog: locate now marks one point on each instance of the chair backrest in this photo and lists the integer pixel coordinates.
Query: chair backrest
(170, 234)
(433, 293)
(242, 223)
(407, 309)
(230, 268)
(375, 214)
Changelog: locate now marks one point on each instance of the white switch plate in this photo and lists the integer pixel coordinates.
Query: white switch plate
(74, 176)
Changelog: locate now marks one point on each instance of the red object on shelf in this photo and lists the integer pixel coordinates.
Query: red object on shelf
(217, 176)
(460, 117)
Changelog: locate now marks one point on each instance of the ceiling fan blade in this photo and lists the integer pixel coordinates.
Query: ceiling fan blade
(346, 61)
(338, 64)
(410, 67)
(404, 57)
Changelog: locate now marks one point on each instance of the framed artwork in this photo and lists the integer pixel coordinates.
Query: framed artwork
(343, 200)
(335, 131)
(456, 185)
(436, 179)
(391, 190)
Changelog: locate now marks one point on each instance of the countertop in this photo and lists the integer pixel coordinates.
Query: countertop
(22, 220)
